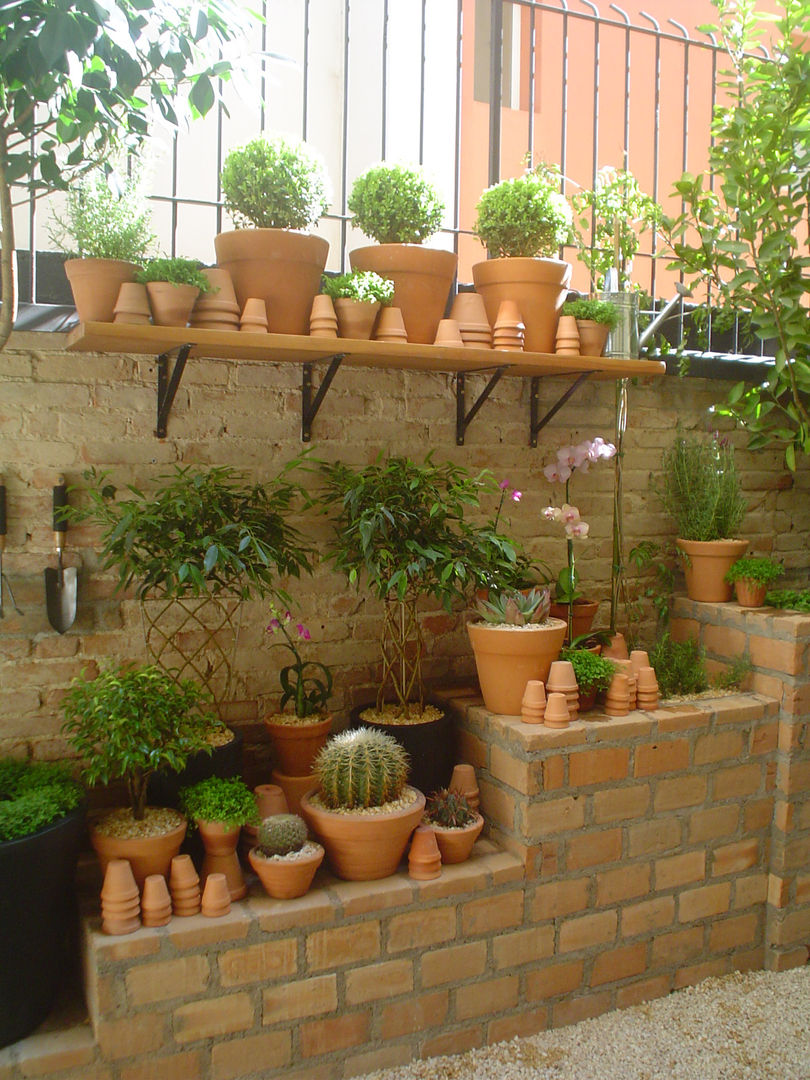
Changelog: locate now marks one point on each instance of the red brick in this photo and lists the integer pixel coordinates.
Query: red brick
(680, 718)
(758, 814)
(587, 767)
(451, 1042)
(583, 1008)
(526, 1023)
(553, 773)
(343, 945)
(336, 1033)
(415, 1014)
(750, 890)
(671, 950)
(718, 746)
(680, 791)
(455, 964)
(723, 641)
(123, 1038)
(593, 848)
(713, 823)
(222, 1015)
(645, 990)
(250, 1054)
(389, 979)
(696, 973)
(547, 817)
(733, 933)
(704, 902)
(296, 999)
(624, 883)
(258, 963)
(551, 980)
(785, 657)
(487, 997)
(184, 977)
(492, 913)
(587, 930)
(678, 870)
(618, 964)
(185, 1066)
(653, 837)
(521, 947)
(621, 804)
(764, 738)
(667, 756)
(736, 783)
(733, 858)
(497, 804)
(647, 916)
(559, 898)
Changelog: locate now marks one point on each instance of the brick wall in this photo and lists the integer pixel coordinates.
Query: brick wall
(61, 412)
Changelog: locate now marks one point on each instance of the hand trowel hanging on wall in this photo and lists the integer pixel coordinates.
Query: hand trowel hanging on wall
(60, 583)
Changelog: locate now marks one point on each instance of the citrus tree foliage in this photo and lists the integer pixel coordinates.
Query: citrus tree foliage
(747, 234)
(78, 79)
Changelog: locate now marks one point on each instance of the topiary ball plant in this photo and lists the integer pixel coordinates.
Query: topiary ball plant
(281, 834)
(526, 216)
(361, 768)
(394, 204)
(598, 311)
(275, 183)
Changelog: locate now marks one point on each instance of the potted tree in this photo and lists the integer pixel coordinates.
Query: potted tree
(41, 827)
(219, 806)
(700, 489)
(284, 859)
(275, 190)
(751, 575)
(399, 208)
(124, 724)
(595, 320)
(523, 222)
(593, 674)
(362, 810)
(358, 297)
(173, 286)
(455, 824)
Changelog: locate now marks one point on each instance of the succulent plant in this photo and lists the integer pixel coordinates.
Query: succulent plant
(449, 809)
(515, 608)
(361, 768)
(281, 834)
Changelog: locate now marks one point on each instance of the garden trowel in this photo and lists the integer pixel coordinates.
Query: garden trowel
(60, 583)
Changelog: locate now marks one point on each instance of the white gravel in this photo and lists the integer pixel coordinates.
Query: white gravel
(741, 1027)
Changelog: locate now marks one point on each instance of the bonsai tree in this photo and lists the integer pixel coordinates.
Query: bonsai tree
(362, 285)
(700, 488)
(275, 184)
(129, 721)
(525, 216)
(394, 204)
(175, 271)
(104, 221)
(598, 311)
(227, 801)
(402, 525)
(79, 90)
(33, 794)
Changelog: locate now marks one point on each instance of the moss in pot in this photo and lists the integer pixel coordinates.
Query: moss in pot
(219, 807)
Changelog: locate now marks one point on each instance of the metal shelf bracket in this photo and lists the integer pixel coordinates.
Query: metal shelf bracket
(535, 424)
(463, 419)
(167, 384)
(311, 403)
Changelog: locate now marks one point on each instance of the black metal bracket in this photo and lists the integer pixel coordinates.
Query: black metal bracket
(536, 425)
(463, 418)
(167, 384)
(309, 403)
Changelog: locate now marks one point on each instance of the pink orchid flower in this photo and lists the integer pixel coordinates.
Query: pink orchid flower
(517, 495)
(569, 515)
(552, 513)
(557, 474)
(577, 530)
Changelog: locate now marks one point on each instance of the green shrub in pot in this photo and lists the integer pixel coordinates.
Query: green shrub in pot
(226, 800)
(395, 204)
(363, 285)
(759, 569)
(175, 271)
(598, 311)
(275, 183)
(524, 216)
(104, 218)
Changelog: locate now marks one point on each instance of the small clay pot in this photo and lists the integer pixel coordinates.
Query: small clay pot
(464, 781)
(156, 904)
(322, 318)
(390, 325)
(356, 318)
(294, 788)
(533, 706)
(556, 715)
(455, 845)
(748, 593)
(468, 309)
(561, 677)
(424, 857)
(616, 648)
(448, 333)
(132, 305)
(220, 843)
(592, 337)
(567, 340)
(171, 304)
(216, 898)
(639, 659)
(120, 902)
(254, 316)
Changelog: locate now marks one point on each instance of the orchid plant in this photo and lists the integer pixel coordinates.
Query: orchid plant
(309, 693)
(571, 459)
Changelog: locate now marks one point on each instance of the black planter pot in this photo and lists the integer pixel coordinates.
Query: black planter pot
(164, 786)
(431, 747)
(37, 915)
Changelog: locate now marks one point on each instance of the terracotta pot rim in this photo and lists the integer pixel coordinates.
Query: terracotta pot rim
(455, 830)
(361, 814)
(272, 860)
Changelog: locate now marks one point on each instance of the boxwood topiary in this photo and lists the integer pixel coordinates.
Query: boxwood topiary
(33, 795)
(525, 216)
(275, 184)
(394, 204)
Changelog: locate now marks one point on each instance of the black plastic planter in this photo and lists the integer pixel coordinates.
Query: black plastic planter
(431, 747)
(37, 914)
(223, 761)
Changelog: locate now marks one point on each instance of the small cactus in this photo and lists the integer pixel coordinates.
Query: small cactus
(449, 809)
(515, 608)
(361, 768)
(281, 834)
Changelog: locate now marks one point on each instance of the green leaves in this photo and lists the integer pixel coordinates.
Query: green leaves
(394, 204)
(275, 184)
(526, 216)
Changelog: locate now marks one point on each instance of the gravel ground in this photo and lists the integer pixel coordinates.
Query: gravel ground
(741, 1027)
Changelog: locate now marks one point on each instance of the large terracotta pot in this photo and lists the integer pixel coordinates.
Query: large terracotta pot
(455, 845)
(507, 658)
(362, 846)
(295, 745)
(145, 854)
(749, 593)
(280, 266)
(537, 286)
(422, 278)
(284, 879)
(706, 564)
(95, 284)
(584, 614)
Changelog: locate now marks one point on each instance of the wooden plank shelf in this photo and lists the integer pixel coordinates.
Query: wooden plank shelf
(185, 342)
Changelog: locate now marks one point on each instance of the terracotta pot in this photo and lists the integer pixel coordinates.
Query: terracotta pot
(216, 898)
(363, 847)
(294, 788)
(469, 311)
(566, 341)
(282, 267)
(322, 318)
(270, 800)
(616, 648)
(95, 284)
(390, 325)
(537, 286)
(356, 318)
(220, 855)
(448, 333)
(145, 854)
(422, 277)
(584, 614)
(749, 593)
(506, 659)
(132, 304)
(557, 712)
(156, 904)
(424, 857)
(464, 781)
(120, 899)
(587, 699)
(284, 879)
(171, 304)
(295, 745)
(253, 318)
(705, 566)
(456, 845)
(592, 337)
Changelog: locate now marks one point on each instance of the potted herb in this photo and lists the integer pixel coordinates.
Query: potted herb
(41, 828)
(513, 640)
(592, 672)
(106, 231)
(595, 320)
(751, 575)
(124, 724)
(700, 489)
(284, 859)
(523, 222)
(173, 286)
(275, 190)
(680, 666)
(358, 297)
(455, 825)
(397, 206)
(219, 807)
(362, 810)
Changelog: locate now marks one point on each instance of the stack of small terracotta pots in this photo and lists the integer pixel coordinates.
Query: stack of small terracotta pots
(556, 714)
(184, 885)
(469, 312)
(567, 343)
(424, 857)
(254, 316)
(120, 900)
(216, 310)
(465, 783)
(448, 333)
(390, 325)
(322, 319)
(216, 897)
(617, 699)
(627, 668)
(562, 680)
(510, 331)
(132, 305)
(646, 689)
(156, 904)
(533, 705)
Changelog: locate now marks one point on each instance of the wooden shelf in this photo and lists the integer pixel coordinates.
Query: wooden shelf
(163, 341)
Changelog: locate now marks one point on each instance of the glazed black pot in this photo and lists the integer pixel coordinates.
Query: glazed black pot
(37, 922)
(430, 746)
(226, 760)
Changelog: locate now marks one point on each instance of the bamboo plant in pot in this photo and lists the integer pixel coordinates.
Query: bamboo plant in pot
(700, 489)
(399, 208)
(275, 190)
(523, 222)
